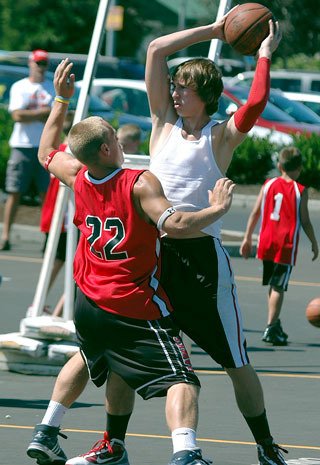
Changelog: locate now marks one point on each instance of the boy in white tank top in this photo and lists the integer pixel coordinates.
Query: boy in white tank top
(188, 150)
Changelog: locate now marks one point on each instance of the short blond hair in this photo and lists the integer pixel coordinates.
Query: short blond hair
(86, 137)
(129, 133)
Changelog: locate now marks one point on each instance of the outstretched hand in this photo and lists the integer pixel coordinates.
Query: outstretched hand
(221, 194)
(219, 26)
(271, 42)
(63, 79)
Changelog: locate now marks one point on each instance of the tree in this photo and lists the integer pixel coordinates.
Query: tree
(67, 25)
(55, 25)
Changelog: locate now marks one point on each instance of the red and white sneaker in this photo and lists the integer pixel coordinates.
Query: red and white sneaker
(103, 452)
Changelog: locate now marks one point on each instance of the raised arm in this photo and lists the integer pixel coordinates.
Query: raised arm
(236, 128)
(63, 165)
(152, 204)
(157, 74)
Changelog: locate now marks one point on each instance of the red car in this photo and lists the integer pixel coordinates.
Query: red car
(272, 118)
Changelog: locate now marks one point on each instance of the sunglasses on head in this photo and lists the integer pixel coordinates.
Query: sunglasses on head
(42, 63)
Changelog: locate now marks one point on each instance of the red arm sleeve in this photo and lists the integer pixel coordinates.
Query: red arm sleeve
(246, 116)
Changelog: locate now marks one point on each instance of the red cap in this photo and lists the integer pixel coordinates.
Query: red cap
(39, 55)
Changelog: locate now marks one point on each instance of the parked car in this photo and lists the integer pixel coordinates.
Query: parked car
(296, 110)
(286, 80)
(309, 99)
(128, 99)
(272, 117)
(123, 100)
(110, 67)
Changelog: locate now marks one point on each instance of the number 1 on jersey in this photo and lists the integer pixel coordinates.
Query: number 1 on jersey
(275, 215)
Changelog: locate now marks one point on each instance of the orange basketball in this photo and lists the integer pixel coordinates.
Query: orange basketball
(313, 312)
(247, 26)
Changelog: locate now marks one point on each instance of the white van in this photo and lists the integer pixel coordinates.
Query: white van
(286, 80)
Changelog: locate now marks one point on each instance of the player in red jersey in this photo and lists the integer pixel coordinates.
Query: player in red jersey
(283, 206)
(119, 213)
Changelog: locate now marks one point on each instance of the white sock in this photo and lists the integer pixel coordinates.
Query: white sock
(183, 439)
(54, 414)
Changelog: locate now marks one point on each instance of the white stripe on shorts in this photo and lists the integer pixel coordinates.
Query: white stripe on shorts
(164, 338)
(228, 306)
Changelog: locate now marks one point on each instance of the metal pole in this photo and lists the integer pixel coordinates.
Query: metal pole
(110, 37)
(81, 112)
(64, 192)
(50, 252)
(216, 44)
(182, 21)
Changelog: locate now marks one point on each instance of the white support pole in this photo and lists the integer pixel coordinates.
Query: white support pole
(50, 252)
(69, 286)
(81, 112)
(64, 192)
(216, 44)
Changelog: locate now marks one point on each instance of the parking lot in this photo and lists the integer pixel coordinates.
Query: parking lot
(290, 376)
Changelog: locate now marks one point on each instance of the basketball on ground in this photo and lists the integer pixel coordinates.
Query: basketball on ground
(246, 27)
(313, 312)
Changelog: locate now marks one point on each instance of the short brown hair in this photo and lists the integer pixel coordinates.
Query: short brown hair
(203, 76)
(86, 137)
(129, 132)
(290, 158)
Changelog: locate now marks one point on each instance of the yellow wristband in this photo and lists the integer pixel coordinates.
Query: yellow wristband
(59, 99)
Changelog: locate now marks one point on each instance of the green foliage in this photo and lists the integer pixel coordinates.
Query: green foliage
(310, 149)
(6, 125)
(55, 25)
(299, 61)
(144, 146)
(299, 23)
(252, 161)
(67, 25)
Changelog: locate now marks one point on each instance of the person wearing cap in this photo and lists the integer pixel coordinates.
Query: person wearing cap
(29, 105)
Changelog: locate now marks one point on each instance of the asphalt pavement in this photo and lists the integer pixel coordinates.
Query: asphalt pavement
(290, 375)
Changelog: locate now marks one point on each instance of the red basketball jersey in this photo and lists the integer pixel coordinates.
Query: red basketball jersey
(117, 259)
(49, 202)
(280, 221)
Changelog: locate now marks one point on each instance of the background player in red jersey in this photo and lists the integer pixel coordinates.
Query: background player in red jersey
(283, 206)
(116, 268)
(47, 211)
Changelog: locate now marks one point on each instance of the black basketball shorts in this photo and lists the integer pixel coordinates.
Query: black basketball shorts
(276, 275)
(198, 278)
(148, 355)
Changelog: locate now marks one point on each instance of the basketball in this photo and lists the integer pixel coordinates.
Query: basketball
(313, 312)
(246, 27)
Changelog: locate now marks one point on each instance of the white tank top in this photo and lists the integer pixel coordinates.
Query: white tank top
(187, 170)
